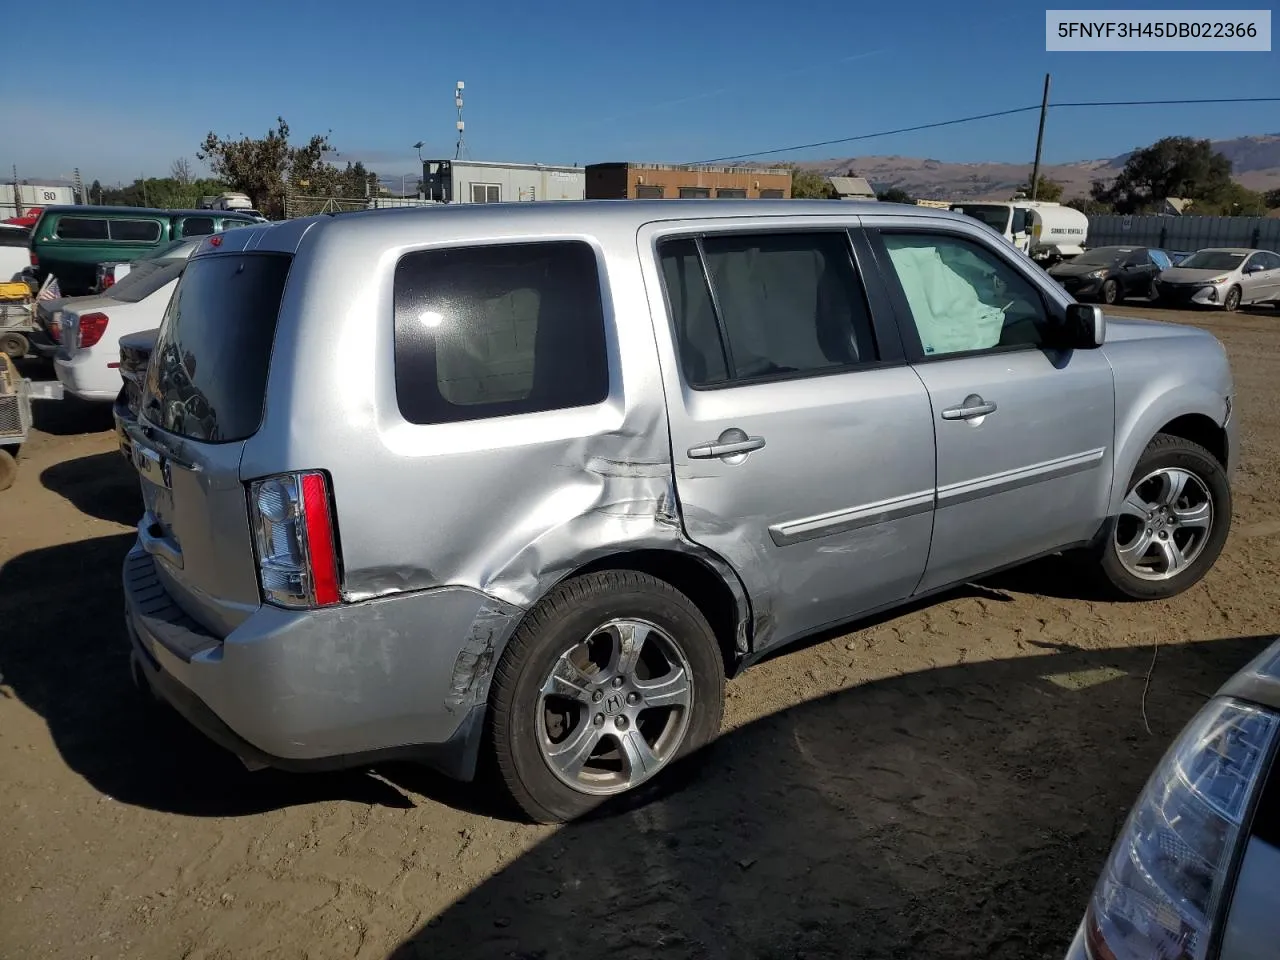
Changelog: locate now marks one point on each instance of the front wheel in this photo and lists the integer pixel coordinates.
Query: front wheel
(1110, 292)
(1172, 523)
(609, 680)
(1232, 303)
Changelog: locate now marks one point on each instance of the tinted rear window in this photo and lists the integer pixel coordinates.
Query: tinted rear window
(14, 238)
(197, 226)
(498, 330)
(82, 228)
(208, 375)
(135, 231)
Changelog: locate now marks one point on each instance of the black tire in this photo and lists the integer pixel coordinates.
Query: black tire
(571, 613)
(8, 469)
(1110, 292)
(14, 344)
(1169, 451)
(1232, 301)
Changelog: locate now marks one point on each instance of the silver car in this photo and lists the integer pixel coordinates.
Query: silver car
(1226, 277)
(533, 479)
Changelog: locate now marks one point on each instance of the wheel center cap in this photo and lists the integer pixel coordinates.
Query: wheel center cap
(614, 703)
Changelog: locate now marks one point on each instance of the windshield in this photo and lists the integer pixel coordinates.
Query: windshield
(144, 279)
(207, 379)
(1213, 260)
(993, 215)
(1103, 256)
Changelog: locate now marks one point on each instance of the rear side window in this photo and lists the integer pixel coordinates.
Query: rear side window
(81, 228)
(199, 226)
(207, 379)
(14, 238)
(785, 304)
(498, 330)
(135, 231)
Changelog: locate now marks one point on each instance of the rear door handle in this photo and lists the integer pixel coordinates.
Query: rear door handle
(732, 443)
(972, 408)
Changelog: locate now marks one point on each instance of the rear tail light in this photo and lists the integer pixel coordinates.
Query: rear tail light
(293, 530)
(1160, 891)
(108, 279)
(90, 329)
(35, 261)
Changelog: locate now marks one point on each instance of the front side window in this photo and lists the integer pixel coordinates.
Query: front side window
(82, 228)
(135, 231)
(963, 297)
(783, 304)
(486, 193)
(498, 330)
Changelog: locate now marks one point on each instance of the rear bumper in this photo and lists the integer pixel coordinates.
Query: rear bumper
(402, 677)
(82, 378)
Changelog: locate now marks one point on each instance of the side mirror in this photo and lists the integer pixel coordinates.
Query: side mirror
(1253, 268)
(1085, 327)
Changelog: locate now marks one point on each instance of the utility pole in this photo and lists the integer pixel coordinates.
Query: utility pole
(1044, 112)
(462, 126)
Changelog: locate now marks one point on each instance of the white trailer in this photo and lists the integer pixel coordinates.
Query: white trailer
(1046, 232)
(476, 181)
(28, 195)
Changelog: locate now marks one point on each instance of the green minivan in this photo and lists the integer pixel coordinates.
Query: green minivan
(71, 241)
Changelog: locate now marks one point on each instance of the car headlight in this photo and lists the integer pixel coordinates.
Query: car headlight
(1096, 274)
(1160, 890)
(1219, 279)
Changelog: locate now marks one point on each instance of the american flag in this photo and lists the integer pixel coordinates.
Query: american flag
(50, 291)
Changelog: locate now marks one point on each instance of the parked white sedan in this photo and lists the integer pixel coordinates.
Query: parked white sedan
(88, 357)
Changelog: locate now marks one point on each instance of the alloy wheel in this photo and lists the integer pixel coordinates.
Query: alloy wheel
(1164, 524)
(615, 707)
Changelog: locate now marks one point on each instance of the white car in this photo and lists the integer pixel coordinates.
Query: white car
(88, 357)
(14, 254)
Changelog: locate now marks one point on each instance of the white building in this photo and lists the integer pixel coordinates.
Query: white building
(477, 181)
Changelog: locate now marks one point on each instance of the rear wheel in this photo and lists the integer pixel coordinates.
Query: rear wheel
(1172, 523)
(1232, 303)
(609, 680)
(8, 469)
(1110, 292)
(14, 344)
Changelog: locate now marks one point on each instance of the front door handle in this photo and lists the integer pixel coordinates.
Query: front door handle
(733, 443)
(972, 408)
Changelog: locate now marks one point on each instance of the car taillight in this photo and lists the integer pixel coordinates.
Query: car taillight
(1159, 893)
(90, 329)
(108, 279)
(35, 261)
(294, 534)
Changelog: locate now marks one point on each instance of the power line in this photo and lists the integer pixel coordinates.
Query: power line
(987, 116)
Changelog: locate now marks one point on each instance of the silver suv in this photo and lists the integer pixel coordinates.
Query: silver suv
(527, 481)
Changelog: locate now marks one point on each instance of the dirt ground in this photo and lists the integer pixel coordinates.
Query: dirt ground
(944, 782)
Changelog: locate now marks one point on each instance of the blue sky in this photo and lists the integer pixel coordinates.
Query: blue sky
(580, 82)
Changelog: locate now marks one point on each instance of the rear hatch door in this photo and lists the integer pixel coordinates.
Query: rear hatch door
(203, 397)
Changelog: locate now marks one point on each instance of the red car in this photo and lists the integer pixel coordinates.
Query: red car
(28, 219)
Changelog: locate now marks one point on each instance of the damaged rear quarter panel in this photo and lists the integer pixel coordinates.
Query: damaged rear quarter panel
(507, 506)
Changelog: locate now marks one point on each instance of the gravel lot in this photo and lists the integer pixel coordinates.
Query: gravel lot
(943, 782)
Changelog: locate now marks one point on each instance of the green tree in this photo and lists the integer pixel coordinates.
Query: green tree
(895, 195)
(809, 184)
(1231, 200)
(95, 193)
(1272, 199)
(1049, 190)
(1172, 167)
(1089, 206)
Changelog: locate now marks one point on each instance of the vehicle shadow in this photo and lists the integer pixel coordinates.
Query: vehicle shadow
(64, 655)
(957, 812)
(71, 416)
(102, 485)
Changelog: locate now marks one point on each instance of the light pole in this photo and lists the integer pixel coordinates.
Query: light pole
(421, 167)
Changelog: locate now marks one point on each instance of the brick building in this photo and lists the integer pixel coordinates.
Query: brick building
(662, 181)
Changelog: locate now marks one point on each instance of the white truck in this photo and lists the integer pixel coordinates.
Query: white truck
(1046, 232)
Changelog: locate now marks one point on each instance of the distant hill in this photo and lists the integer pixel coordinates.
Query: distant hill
(1255, 164)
